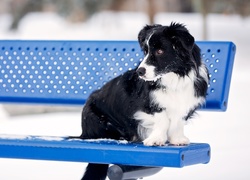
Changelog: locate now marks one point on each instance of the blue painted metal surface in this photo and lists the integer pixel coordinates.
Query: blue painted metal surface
(66, 72)
(102, 151)
(219, 59)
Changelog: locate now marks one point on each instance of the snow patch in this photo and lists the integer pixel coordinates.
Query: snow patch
(11, 136)
(27, 137)
(49, 138)
(107, 140)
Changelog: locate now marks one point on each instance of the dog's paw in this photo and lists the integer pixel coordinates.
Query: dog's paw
(179, 141)
(155, 141)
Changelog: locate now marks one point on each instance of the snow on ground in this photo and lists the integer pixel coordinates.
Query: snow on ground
(227, 133)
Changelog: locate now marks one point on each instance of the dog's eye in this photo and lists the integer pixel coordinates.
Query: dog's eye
(159, 52)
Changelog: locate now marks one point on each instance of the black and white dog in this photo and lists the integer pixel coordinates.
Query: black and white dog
(151, 103)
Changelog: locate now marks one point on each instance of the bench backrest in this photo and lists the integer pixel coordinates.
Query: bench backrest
(66, 72)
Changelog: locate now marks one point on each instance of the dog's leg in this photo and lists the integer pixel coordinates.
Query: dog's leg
(95, 172)
(145, 124)
(157, 124)
(176, 132)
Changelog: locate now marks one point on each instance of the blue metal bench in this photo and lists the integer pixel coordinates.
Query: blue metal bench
(66, 72)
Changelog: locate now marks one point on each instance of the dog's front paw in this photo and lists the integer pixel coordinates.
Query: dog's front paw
(179, 140)
(155, 141)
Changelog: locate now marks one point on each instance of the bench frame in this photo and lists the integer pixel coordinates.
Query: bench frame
(66, 72)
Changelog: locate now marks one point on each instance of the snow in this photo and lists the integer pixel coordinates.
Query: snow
(12, 136)
(227, 133)
(107, 140)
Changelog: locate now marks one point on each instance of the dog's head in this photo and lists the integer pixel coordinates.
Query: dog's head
(167, 49)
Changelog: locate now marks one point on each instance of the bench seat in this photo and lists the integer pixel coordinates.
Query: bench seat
(102, 151)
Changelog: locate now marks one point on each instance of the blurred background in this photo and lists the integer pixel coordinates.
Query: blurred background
(16, 13)
(217, 20)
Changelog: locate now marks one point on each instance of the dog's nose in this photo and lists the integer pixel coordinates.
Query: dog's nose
(141, 71)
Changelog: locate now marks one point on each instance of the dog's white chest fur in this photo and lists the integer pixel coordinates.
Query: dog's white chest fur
(176, 98)
(179, 95)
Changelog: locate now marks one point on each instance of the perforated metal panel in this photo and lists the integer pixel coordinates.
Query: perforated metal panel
(68, 71)
(61, 71)
(219, 59)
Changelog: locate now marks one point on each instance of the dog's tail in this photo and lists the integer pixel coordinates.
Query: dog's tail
(95, 172)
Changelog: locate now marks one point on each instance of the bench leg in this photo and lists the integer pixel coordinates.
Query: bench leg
(122, 172)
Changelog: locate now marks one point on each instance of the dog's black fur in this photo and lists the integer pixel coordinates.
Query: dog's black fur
(109, 111)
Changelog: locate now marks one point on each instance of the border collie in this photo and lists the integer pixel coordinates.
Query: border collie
(151, 103)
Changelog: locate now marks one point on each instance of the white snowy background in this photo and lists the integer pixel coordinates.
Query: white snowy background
(227, 133)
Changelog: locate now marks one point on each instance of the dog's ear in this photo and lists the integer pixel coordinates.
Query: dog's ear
(179, 35)
(145, 32)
